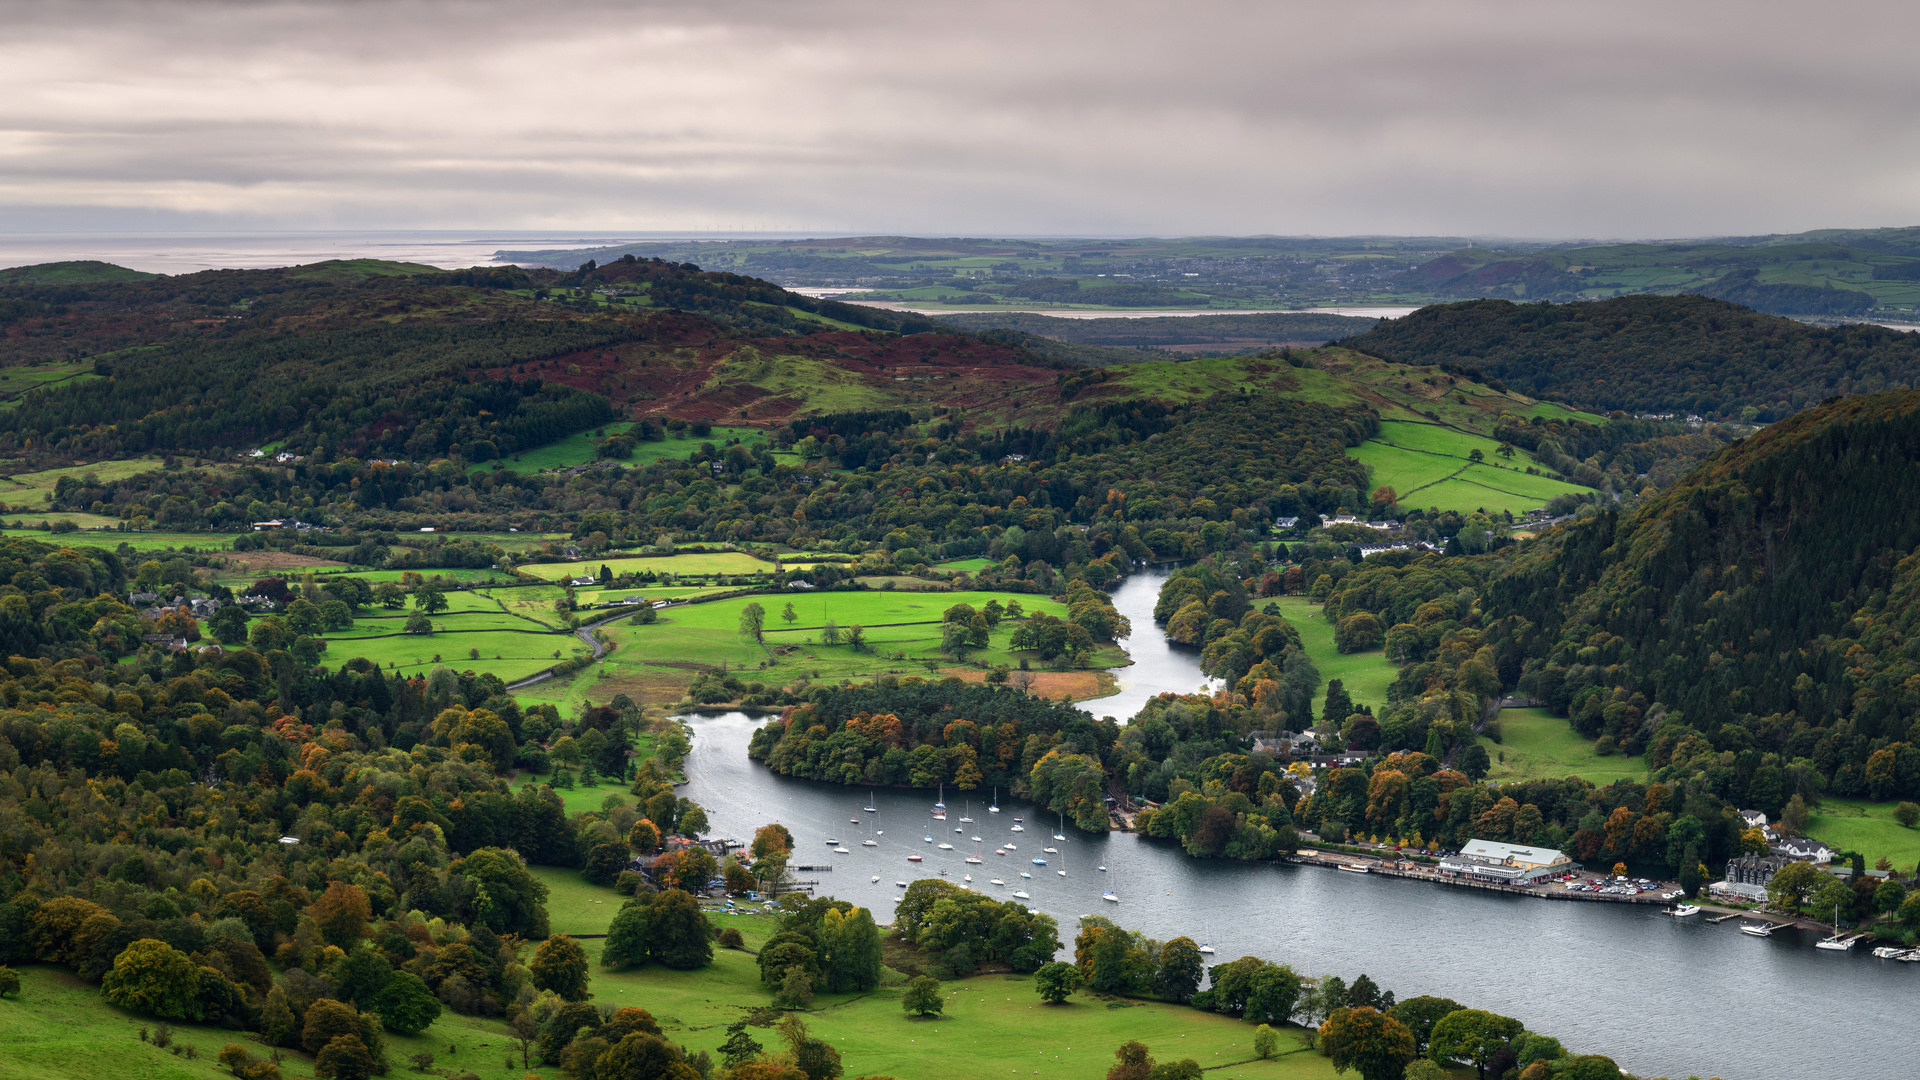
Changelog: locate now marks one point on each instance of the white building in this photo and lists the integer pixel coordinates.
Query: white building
(1507, 862)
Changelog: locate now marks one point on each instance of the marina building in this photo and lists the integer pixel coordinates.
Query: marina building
(1510, 863)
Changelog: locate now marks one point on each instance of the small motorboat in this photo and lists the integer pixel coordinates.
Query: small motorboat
(1757, 929)
(1021, 894)
(974, 859)
(1051, 850)
(1102, 869)
(869, 842)
(1889, 952)
(1024, 874)
(1206, 948)
(843, 850)
(1019, 828)
(1683, 910)
(939, 815)
(1110, 897)
(966, 877)
(853, 821)
(928, 838)
(913, 858)
(944, 847)
(876, 877)
(1013, 847)
(833, 843)
(999, 851)
(902, 884)
(995, 881)
(975, 839)
(1062, 873)
(957, 828)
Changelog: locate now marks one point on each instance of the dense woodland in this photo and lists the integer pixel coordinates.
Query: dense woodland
(1653, 354)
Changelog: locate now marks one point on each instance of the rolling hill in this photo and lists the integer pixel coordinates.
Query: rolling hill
(1653, 354)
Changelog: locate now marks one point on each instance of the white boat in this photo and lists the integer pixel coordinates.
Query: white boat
(1062, 834)
(1062, 873)
(1110, 896)
(902, 884)
(1039, 862)
(940, 803)
(1013, 847)
(1352, 868)
(1684, 910)
(975, 839)
(995, 881)
(914, 857)
(876, 877)
(1051, 850)
(1835, 941)
(999, 851)
(869, 842)
(974, 859)
(939, 815)
(843, 850)
(1890, 952)
(956, 828)
(966, 877)
(1102, 869)
(995, 808)
(1206, 948)
(944, 847)
(870, 808)
(928, 838)
(1024, 874)
(1020, 894)
(1758, 929)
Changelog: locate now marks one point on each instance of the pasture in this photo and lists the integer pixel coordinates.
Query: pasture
(1865, 827)
(1428, 465)
(1366, 675)
(702, 565)
(577, 449)
(1535, 745)
(505, 653)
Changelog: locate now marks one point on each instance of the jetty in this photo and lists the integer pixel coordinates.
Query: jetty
(1404, 868)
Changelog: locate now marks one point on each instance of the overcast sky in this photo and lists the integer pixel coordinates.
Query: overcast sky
(1541, 119)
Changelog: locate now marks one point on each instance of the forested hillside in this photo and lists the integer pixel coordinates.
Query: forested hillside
(1767, 602)
(1653, 354)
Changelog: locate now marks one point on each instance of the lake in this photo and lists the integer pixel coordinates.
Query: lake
(1662, 996)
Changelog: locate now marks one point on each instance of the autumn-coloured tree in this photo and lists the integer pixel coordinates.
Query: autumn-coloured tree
(644, 836)
(560, 965)
(152, 976)
(1376, 1045)
(342, 913)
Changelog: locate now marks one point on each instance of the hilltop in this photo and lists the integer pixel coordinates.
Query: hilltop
(1652, 353)
(1772, 590)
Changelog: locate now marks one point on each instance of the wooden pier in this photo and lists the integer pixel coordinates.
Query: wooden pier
(1404, 869)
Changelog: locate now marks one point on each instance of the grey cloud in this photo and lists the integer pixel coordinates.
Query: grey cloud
(1624, 119)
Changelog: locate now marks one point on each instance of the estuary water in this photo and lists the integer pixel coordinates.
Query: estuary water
(1662, 996)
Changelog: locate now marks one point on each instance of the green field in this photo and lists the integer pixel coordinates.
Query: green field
(1366, 675)
(709, 633)
(505, 653)
(29, 487)
(1535, 744)
(1427, 466)
(578, 449)
(139, 541)
(719, 562)
(1865, 827)
(15, 381)
(968, 565)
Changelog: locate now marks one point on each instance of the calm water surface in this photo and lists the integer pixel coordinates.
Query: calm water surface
(1662, 996)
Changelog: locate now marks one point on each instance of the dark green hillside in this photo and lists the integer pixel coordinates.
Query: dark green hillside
(1769, 598)
(1653, 353)
(68, 273)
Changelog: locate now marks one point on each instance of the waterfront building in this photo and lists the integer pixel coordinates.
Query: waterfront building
(1510, 863)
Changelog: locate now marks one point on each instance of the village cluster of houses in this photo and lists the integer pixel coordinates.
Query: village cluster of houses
(1748, 875)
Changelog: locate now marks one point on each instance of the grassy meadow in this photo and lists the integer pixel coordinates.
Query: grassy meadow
(1366, 675)
(1536, 744)
(1865, 827)
(577, 449)
(701, 564)
(1427, 465)
(894, 622)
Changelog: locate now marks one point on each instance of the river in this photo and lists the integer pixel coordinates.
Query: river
(1662, 996)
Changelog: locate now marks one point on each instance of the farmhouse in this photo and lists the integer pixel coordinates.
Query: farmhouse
(1507, 862)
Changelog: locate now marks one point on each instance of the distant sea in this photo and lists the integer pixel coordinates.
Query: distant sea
(186, 253)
